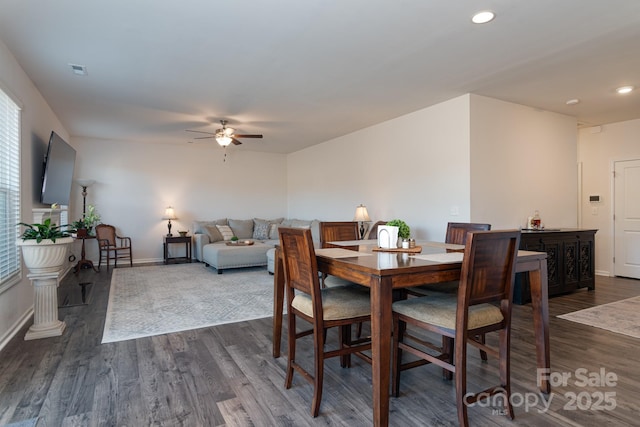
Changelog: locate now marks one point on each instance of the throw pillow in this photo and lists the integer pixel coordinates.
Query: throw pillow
(273, 231)
(226, 231)
(261, 230)
(243, 228)
(213, 233)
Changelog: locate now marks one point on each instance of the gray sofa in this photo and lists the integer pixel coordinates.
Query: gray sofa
(211, 247)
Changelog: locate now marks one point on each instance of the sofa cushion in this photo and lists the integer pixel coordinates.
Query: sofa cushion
(260, 230)
(243, 228)
(213, 233)
(225, 231)
(273, 231)
(199, 227)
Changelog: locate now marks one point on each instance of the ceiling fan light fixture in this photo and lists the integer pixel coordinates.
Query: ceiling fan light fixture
(223, 139)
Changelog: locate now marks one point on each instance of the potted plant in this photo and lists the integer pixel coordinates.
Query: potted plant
(44, 245)
(403, 229)
(84, 226)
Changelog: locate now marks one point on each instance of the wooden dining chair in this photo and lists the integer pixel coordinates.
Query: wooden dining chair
(482, 304)
(372, 233)
(338, 231)
(339, 306)
(112, 246)
(457, 235)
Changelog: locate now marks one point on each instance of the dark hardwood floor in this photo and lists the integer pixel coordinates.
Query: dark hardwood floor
(226, 375)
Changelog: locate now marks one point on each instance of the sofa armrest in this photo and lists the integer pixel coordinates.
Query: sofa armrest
(199, 241)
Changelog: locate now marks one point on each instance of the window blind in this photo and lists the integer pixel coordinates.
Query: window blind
(9, 191)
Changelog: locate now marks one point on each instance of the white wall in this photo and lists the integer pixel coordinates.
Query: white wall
(135, 182)
(598, 148)
(415, 168)
(522, 160)
(489, 160)
(37, 122)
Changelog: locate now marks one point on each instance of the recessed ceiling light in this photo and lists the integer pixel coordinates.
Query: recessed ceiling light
(624, 89)
(573, 101)
(483, 17)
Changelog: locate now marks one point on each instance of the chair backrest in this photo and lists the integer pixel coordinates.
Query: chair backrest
(373, 230)
(457, 231)
(488, 268)
(299, 262)
(338, 231)
(106, 232)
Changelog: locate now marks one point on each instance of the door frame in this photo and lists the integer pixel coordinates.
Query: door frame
(612, 191)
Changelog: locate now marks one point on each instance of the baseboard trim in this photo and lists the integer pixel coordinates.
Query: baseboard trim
(603, 273)
(16, 327)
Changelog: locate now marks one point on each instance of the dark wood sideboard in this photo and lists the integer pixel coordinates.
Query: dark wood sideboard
(570, 260)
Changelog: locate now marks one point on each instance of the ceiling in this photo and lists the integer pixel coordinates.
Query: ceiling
(304, 72)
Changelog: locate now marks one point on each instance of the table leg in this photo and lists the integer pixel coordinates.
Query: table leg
(278, 301)
(83, 262)
(540, 302)
(381, 319)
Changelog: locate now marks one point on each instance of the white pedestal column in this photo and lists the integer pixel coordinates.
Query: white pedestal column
(45, 307)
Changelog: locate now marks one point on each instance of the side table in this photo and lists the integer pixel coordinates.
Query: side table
(167, 240)
(83, 262)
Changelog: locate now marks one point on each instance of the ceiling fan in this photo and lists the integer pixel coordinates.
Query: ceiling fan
(225, 135)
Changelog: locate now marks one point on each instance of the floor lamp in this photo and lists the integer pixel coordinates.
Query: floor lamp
(84, 183)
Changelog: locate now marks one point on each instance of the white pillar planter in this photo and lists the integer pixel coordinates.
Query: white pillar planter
(45, 261)
(46, 256)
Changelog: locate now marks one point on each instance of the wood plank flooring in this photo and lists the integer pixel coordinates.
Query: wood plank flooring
(226, 376)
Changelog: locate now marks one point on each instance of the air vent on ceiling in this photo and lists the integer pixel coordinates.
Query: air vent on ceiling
(79, 70)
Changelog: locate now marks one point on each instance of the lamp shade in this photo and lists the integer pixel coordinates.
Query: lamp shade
(361, 214)
(85, 182)
(169, 213)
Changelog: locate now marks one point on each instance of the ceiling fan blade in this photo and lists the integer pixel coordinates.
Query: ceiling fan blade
(247, 136)
(199, 131)
(235, 141)
(203, 137)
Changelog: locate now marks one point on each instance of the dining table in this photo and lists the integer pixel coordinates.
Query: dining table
(386, 271)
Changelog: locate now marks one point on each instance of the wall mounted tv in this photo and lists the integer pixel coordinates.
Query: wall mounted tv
(58, 171)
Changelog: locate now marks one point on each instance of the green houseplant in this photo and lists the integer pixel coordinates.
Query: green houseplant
(44, 245)
(89, 220)
(47, 230)
(403, 229)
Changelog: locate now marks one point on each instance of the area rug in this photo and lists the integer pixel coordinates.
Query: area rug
(622, 317)
(155, 300)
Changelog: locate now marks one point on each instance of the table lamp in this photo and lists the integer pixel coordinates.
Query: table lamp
(169, 214)
(361, 216)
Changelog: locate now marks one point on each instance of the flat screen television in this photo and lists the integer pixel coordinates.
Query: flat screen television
(58, 171)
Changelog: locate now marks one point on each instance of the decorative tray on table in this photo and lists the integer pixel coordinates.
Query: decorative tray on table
(240, 243)
(414, 250)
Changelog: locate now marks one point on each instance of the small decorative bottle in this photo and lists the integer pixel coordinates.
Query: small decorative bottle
(536, 221)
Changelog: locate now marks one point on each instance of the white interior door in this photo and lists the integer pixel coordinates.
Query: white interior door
(627, 218)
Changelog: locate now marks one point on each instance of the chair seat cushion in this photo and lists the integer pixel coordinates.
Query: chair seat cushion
(341, 302)
(441, 311)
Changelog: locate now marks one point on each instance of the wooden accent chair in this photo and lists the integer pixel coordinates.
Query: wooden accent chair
(483, 304)
(112, 246)
(340, 306)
